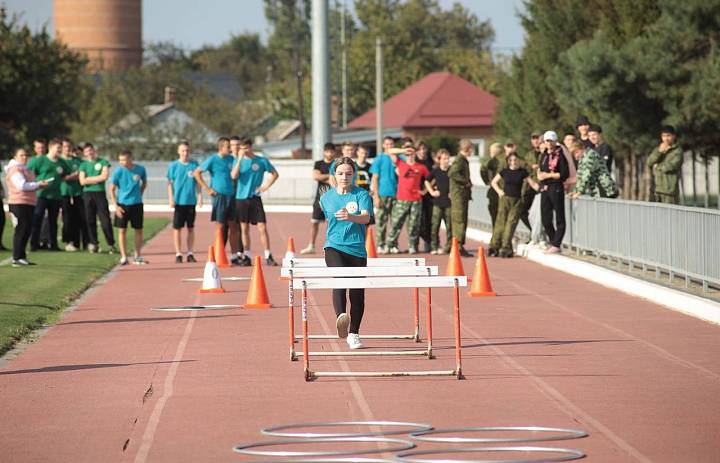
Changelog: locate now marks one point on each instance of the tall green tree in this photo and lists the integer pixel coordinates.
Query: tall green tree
(40, 84)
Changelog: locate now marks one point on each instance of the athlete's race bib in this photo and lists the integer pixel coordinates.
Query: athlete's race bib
(136, 178)
(351, 207)
(255, 167)
(191, 174)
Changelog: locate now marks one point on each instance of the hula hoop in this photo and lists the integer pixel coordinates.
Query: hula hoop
(418, 428)
(247, 449)
(565, 434)
(183, 308)
(569, 455)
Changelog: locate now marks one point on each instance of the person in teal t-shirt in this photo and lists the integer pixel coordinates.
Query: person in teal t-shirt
(127, 185)
(249, 171)
(183, 197)
(384, 188)
(94, 172)
(74, 231)
(222, 191)
(348, 209)
(54, 169)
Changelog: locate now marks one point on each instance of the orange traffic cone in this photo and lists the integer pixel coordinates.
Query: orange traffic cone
(481, 279)
(211, 276)
(289, 254)
(257, 297)
(220, 257)
(370, 243)
(455, 266)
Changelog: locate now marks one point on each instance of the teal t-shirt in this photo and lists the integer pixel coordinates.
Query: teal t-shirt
(93, 169)
(343, 235)
(45, 169)
(251, 175)
(129, 184)
(73, 187)
(183, 181)
(387, 180)
(332, 171)
(219, 168)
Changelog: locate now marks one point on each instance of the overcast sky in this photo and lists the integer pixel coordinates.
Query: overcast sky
(192, 26)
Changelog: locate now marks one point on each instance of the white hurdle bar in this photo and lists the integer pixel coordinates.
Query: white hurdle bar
(454, 282)
(344, 272)
(295, 264)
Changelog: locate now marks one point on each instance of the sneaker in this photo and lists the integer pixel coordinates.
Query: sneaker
(234, 260)
(394, 250)
(111, 250)
(139, 260)
(70, 248)
(382, 250)
(444, 251)
(123, 261)
(310, 249)
(270, 261)
(553, 250)
(464, 252)
(434, 252)
(505, 253)
(544, 245)
(353, 341)
(342, 323)
(191, 259)
(492, 252)
(93, 248)
(22, 263)
(245, 261)
(412, 251)
(178, 259)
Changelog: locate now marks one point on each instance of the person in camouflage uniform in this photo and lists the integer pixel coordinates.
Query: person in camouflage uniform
(460, 193)
(489, 167)
(593, 178)
(665, 161)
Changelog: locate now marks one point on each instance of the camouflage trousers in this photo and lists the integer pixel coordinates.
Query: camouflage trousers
(440, 214)
(509, 212)
(410, 210)
(383, 214)
(667, 199)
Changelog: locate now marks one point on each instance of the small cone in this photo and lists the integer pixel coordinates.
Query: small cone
(455, 266)
(481, 279)
(211, 276)
(257, 297)
(290, 253)
(370, 244)
(220, 257)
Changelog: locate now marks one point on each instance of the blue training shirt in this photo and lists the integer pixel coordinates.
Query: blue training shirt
(343, 235)
(219, 168)
(183, 182)
(388, 181)
(129, 184)
(252, 171)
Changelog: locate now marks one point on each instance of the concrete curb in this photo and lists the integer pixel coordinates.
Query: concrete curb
(673, 299)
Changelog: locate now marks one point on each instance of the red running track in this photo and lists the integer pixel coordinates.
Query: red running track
(114, 381)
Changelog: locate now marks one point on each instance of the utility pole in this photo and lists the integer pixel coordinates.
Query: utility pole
(320, 78)
(378, 93)
(344, 67)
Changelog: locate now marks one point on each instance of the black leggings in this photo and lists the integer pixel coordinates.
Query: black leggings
(552, 201)
(335, 258)
(23, 213)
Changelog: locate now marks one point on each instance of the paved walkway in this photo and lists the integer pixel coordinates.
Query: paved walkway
(114, 381)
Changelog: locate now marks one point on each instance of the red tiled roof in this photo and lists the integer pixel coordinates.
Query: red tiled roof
(439, 99)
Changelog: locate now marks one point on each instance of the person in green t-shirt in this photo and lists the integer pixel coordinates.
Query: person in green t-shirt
(94, 172)
(74, 227)
(54, 169)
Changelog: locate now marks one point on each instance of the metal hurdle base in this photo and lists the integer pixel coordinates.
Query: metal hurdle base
(312, 375)
(369, 353)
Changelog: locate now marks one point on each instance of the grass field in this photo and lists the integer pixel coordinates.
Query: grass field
(31, 297)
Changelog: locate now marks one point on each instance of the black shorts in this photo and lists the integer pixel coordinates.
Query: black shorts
(250, 210)
(133, 214)
(223, 209)
(317, 215)
(184, 216)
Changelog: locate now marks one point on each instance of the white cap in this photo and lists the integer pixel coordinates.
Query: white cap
(550, 135)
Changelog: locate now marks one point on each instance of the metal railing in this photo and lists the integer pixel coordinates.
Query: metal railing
(674, 241)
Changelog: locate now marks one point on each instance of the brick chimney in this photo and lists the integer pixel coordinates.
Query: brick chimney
(170, 95)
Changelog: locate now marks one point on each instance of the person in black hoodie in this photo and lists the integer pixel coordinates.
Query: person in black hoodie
(553, 171)
(423, 156)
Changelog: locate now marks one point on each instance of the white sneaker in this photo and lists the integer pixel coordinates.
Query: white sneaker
(434, 252)
(139, 260)
(382, 250)
(310, 249)
(70, 248)
(353, 341)
(123, 261)
(412, 251)
(394, 250)
(341, 324)
(93, 248)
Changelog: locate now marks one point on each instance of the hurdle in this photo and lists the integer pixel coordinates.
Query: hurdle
(377, 282)
(290, 267)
